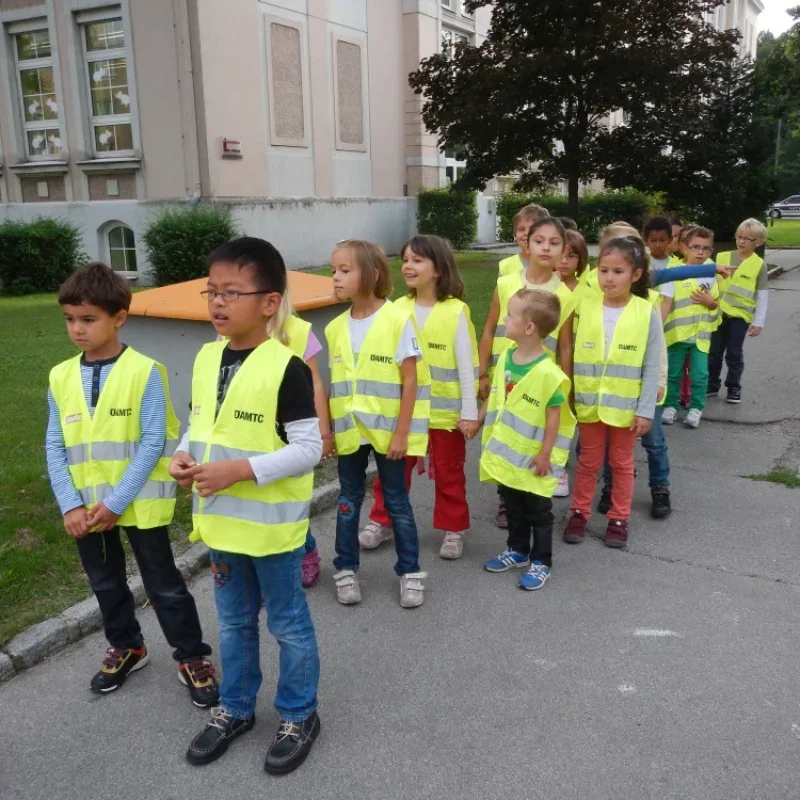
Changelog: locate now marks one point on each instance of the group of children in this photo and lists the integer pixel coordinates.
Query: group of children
(564, 347)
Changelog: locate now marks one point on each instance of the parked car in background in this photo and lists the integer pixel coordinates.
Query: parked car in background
(786, 209)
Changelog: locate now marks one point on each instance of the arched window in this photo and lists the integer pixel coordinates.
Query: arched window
(121, 248)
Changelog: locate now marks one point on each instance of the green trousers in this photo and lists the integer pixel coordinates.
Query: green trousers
(698, 372)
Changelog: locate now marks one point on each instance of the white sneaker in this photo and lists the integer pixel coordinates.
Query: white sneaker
(669, 416)
(693, 418)
(452, 546)
(412, 592)
(374, 535)
(348, 592)
(562, 490)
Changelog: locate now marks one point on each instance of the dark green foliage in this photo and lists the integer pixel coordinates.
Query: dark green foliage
(450, 214)
(37, 256)
(179, 240)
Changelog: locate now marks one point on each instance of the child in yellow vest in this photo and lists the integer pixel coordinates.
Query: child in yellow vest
(380, 402)
(743, 307)
(436, 300)
(248, 456)
(523, 220)
(110, 432)
(546, 241)
(617, 354)
(527, 436)
(688, 310)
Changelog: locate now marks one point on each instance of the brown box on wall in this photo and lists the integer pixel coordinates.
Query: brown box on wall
(102, 186)
(43, 190)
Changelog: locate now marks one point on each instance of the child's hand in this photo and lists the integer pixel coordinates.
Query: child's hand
(754, 330)
(180, 468)
(101, 518)
(542, 465)
(484, 387)
(219, 475)
(75, 523)
(328, 449)
(703, 298)
(724, 271)
(397, 447)
(641, 425)
(469, 428)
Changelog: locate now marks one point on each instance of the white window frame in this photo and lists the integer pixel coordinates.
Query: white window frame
(87, 56)
(16, 30)
(448, 4)
(464, 12)
(458, 36)
(107, 229)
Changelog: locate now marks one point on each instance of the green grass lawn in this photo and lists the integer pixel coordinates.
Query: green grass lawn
(784, 233)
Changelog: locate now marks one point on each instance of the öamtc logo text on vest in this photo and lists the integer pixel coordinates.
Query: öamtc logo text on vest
(248, 416)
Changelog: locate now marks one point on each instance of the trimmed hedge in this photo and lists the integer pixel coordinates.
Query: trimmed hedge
(451, 215)
(596, 209)
(179, 240)
(38, 256)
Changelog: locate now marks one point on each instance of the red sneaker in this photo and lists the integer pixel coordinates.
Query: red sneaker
(575, 531)
(616, 533)
(310, 568)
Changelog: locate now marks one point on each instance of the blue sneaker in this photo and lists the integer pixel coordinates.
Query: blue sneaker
(535, 577)
(508, 559)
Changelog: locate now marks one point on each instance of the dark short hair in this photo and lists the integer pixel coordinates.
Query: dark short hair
(257, 255)
(568, 223)
(658, 224)
(554, 221)
(543, 309)
(577, 244)
(676, 221)
(450, 283)
(631, 248)
(375, 275)
(96, 284)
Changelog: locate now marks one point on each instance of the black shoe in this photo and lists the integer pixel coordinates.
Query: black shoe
(604, 504)
(117, 665)
(734, 395)
(712, 392)
(217, 735)
(661, 507)
(292, 745)
(197, 675)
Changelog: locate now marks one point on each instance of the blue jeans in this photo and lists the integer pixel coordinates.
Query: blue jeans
(311, 543)
(655, 444)
(353, 479)
(239, 583)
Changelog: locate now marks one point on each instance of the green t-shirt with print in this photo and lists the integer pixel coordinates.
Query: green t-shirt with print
(514, 373)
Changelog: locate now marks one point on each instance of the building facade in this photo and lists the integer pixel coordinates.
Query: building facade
(297, 111)
(742, 15)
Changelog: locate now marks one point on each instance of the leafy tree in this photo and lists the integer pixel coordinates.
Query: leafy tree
(535, 98)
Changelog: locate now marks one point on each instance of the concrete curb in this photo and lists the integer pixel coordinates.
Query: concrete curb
(45, 638)
(776, 272)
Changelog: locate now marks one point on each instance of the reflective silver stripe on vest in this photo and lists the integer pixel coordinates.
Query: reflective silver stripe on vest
(612, 371)
(255, 511)
(742, 292)
(341, 389)
(681, 322)
(343, 424)
(609, 401)
(476, 373)
(219, 452)
(170, 446)
(152, 490)
(423, 393)
(704, 335)
(736, 302)
(444, 375)
(86, 496)
(500, 332)
(445, 404)
(197, 450)
(550, 343)
(494, 359)
(491, 418)
(378, 422)
(114, 451)
(683, 303)
(534, 432)
(518, 460)
(388, 391)
(77, 454)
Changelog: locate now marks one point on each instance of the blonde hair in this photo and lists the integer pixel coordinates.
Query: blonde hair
(375, 275)
(529, 213)
(278, 322)
(617, 230)
(543, 309)
(753, 227)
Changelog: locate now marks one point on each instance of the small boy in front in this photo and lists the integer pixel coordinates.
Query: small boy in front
(110, 432)
(688, 309)
(527, 435)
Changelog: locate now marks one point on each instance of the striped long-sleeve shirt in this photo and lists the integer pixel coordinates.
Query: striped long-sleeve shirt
(153, 420)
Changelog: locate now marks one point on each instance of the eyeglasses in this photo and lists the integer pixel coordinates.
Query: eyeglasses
(746, 239)
(701, 248)
(229, 295)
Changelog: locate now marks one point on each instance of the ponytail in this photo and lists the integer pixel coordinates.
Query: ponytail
(277, 324)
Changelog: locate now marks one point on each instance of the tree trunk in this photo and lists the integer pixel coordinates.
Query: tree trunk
(573, 182)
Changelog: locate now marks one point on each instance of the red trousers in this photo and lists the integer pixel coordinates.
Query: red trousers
(621, 443)
(447, 453)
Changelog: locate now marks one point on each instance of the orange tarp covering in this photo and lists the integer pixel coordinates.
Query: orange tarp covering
(183, 300)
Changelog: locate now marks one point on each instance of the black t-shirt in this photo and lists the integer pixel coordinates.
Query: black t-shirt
(295, 395)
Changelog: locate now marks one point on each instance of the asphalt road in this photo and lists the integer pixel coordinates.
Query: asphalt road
(668, 670)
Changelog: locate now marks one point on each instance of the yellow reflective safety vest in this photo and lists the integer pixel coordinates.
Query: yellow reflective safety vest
(365, 396)
(514, 430)
(689, 321)
(437, 339)
(507, 287)
(297, 330)
(675, 261)
(245, 518)
(739, 293)
(608, 391)
(512, 264)
(100, 447)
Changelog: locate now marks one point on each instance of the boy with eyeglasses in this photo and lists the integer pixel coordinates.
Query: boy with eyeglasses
(743, 307)
(688, 309)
